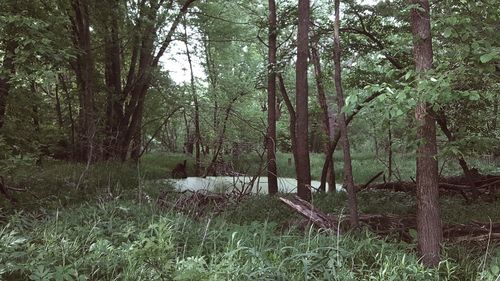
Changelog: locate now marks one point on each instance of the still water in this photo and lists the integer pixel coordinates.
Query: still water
(228, 183)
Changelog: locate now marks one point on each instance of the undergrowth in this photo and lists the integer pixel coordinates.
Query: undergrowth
(122, 240)
(101, 222)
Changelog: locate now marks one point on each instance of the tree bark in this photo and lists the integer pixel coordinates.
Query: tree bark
(272, 170)
(8, 70)
(291, 113)
(302, 112)
(428, 214)
(327, 112)
(197, 134)
(349, 181)
(84, 70)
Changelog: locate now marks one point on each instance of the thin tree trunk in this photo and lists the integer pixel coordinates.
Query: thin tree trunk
(302, 111)
(272, 169)
(349, 181)
(70, 115)
(8, 70)
(443, 124)
(291, 113)
(428, 215)
(197, 134)
(389, 150)
(220, 138)
(326, 115)
(60, 121)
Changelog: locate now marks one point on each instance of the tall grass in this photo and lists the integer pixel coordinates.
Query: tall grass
(125, 241)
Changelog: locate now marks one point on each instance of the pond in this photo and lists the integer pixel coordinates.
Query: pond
(228, 183)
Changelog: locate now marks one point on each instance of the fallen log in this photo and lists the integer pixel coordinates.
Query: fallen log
(391, 224)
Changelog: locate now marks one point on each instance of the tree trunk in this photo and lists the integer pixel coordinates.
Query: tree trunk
(349, 181)
(389, 150)
(197, 134)
(60, 121)
(84, 70)
(62, 80)
(326, 116)
(272, 170)
(302, 142)
(291, 113)
(8, 70)
(115, 100)
(443, 124)
(428, 215)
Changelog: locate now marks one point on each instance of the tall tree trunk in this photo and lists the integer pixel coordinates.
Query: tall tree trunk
(69, 102)
(291, 113)
(301, 107)
(326, 116)
(140, 74)
(84, 69)
(428, 215)
(330, 174)
(60, 121)
(349, 181)
(114, 102)
(197, 134)
(272, 169)
(8, 70)
(389, 150)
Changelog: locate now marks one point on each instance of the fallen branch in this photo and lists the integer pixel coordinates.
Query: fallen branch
(390, 224)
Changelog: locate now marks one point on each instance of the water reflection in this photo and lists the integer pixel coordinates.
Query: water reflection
(228, 183)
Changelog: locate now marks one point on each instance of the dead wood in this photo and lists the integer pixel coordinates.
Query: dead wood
(394, 225)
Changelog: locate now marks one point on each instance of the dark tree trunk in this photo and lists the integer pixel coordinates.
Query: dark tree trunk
(140, 73)
(8, 70)
(302, 111)
(428, 215)
(469, 175)
(326, 116)
(349, 181)
(84, 70)
(62, 80)
(389, 150)
(114, 102)
(272, 170)
(60, 121)
(291, 113)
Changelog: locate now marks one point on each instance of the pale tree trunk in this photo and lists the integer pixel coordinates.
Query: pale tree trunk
(301, 107)
(197, 134)
(271, 103)
(349, 181)
(428, 215)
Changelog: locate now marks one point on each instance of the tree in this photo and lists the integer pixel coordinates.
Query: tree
(327, 114)
(428, 215)
(349, 181)
(272, 170)
(302, 121)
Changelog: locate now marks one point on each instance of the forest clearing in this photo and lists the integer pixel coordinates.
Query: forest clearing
(249, 140)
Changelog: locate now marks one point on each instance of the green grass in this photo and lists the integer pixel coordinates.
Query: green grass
(122, 240)
(109, 228)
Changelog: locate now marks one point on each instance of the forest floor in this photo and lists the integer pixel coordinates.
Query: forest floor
(111, 221)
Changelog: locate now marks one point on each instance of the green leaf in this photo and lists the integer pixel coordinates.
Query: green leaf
(447, 32)
(495, 269)
(487, 57)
